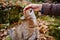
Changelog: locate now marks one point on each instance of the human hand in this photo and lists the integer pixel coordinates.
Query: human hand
(35, 7)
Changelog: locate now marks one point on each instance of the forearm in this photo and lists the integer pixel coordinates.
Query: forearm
(50, 9)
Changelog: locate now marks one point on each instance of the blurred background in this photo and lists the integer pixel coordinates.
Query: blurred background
(12, 10)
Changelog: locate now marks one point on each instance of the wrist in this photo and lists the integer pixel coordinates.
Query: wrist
(42, 9)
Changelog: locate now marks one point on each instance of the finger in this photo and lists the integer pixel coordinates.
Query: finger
(26, 8)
